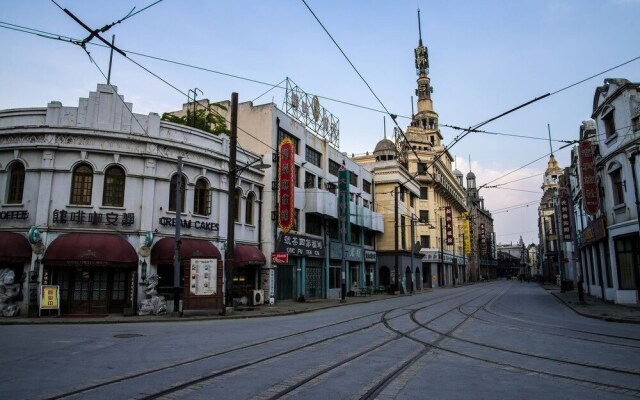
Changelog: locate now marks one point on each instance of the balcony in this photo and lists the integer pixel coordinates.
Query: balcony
(321, 202)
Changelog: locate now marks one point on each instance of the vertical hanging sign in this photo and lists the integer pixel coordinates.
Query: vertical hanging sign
(448, 218)
(483, 240)
(565, 217)
(344, 198)
(466, 230)
(590, 199)
(286, 179)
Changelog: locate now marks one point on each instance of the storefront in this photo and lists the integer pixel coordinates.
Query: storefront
(162, 258)
(302, 276)
(96, 272)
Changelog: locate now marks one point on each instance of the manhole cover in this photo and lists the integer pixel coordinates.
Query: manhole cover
(126, 335)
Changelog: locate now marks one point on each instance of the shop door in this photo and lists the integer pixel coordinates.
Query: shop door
(284, 282)
(313, 287)
(89, 292)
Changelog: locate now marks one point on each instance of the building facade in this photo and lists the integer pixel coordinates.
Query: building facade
(90, 204)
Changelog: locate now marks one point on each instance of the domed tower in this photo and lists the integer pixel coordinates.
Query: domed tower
(552, 174)
(385, 150)
(458, 175)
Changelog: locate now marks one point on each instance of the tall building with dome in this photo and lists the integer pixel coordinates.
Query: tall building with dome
(422, 200)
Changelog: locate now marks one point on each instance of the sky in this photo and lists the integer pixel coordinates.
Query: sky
(486, 57)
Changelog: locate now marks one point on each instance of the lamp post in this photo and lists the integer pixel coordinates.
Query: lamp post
(176, 255)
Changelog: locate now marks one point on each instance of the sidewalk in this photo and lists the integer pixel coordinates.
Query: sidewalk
(593, 307)
(286, 307)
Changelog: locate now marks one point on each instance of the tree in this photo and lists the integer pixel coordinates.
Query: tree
(206, 118)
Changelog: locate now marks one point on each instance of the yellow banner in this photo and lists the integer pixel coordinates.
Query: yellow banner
(466, 231)
(49, 296)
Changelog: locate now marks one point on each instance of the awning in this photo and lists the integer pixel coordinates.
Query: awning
(245, 255)
(163, 251)
(14, 248)
(92, 249)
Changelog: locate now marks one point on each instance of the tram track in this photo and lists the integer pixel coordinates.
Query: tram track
(129, 379)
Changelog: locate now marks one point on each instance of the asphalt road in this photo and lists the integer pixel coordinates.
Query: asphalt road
(497, 340)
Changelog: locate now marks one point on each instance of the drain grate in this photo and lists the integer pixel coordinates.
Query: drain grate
(127, 335)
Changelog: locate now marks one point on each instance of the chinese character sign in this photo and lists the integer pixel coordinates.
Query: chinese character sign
(565, 214)
(590, 199)
(466, 230)
(448, 224)
(49, 297)
(483, 240)
(344, 198)
(286, 177)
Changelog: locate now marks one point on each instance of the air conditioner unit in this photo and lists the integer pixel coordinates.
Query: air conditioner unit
(257, 297)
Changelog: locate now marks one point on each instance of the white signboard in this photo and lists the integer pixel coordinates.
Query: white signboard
(204, 276)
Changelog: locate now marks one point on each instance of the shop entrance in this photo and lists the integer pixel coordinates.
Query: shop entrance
(88, 290)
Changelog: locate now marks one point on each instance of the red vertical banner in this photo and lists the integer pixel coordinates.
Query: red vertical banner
(286, 179)
(448, 224)
(589, 180)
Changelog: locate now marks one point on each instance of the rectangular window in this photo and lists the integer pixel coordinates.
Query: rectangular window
(353, 179)
(617, 187)
(332, 229)
(319, 183)
(412, 198)
(314, 157)
(424, 216)
(369, 238)
(284, 134)
(296, 178)
(313, 224)
(424, 193)
(626, 253)
(609, 124)
(635, 123)
(355, 234)
(330, 187)
(334, 167)
(366, 186)
(309, 180)
(422, 168)
(335, 279)
(425, 241)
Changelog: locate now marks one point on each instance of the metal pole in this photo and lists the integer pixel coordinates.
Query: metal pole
(413, 275)
(113, 40)
(176, 255)
(231, 203)
(557, 231)
(464, 261)
(397, 261)
(441, 254)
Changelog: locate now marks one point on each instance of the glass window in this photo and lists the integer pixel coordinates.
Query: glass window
(366, 186)
(425, 241)
(403, 234)
(626, 252)
(617, 186)
(335, 277)
(313, 224)
(284, 134)
(248, 212)
(309, 180)
(313, 156)
(114, 183)
(353, 179)
(369, 238)
(81, 185)
(424, 216)
(609, 123)
(16, 184)
(172, 192)
(355, 234)
(334, 167)
(202, 198)
(424, 193)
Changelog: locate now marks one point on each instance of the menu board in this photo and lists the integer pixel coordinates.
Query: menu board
(203, 276)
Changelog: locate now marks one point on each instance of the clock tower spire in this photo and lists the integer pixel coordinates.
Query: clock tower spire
(422, 70)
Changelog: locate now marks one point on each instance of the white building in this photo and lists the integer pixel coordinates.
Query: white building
(95, 186)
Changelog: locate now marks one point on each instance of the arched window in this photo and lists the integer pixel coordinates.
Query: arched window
(172, 192)
(113, 191)
(16, 184)
(202, 198)
(81, 185)
(248, 212)
(238, 205)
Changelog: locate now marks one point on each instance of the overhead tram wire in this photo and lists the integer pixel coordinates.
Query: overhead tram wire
(141, 66)
(49, 35)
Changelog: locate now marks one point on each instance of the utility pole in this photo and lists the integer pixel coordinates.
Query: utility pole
(176, 254)
(395, 192)
(441, 255)
(231, 204)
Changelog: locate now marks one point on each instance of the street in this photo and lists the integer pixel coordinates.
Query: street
(502, 339)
